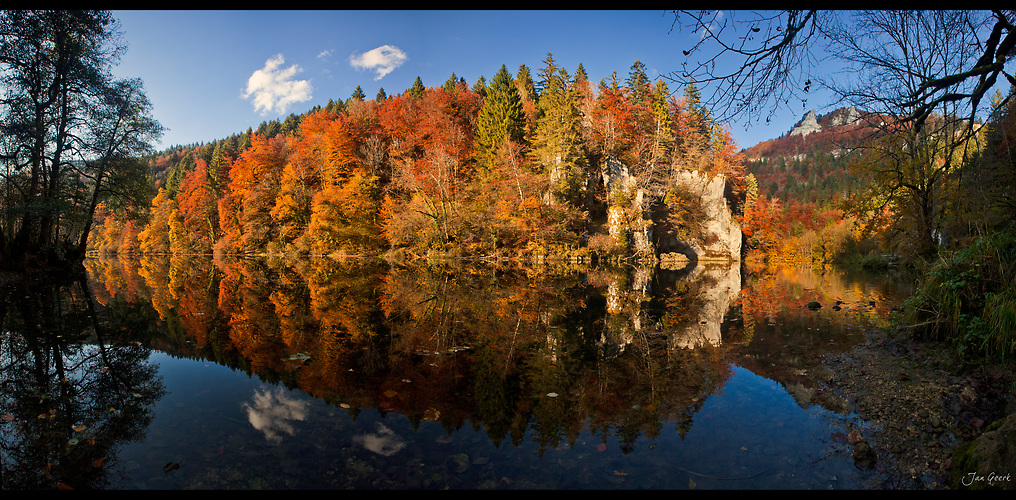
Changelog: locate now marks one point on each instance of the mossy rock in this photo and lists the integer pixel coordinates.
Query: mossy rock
(986, 463)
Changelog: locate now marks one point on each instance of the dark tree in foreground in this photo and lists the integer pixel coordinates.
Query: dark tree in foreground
(920, 76)
(70, 131)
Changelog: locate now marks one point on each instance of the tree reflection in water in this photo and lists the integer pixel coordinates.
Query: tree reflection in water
(75, 382)
(545, 353)
(544, 358)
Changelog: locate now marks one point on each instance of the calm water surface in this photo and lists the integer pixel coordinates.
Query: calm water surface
(193, 373)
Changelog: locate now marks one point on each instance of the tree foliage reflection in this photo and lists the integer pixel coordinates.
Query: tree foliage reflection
(524, 355)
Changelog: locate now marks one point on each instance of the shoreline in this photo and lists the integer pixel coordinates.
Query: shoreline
(920, 404)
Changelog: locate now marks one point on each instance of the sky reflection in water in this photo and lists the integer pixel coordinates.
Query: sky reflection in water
(325, 376)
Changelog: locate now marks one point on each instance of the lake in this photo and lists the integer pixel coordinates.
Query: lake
(201, 373)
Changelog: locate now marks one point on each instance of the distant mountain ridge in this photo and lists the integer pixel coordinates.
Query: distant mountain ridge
(838, 129)
(808, 163)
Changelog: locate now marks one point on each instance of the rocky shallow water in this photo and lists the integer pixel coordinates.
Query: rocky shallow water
(916, 404)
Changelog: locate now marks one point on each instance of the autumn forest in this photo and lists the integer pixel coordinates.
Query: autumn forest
(510, 169)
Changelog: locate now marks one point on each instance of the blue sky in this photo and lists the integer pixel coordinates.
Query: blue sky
(210, 74)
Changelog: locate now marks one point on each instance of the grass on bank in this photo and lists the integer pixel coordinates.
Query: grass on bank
(967, 297)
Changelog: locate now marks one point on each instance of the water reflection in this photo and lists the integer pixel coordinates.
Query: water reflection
(548, 358)
(273, 411)
(76, 382)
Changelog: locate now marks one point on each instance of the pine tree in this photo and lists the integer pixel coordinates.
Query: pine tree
(528, 94)
(381, 95)
(501, 120)
(557, 145)
(700, 118)
(663, 134)
(638, 85)
(358, 94)
(480, 87)
(416, 91)
(449, 84)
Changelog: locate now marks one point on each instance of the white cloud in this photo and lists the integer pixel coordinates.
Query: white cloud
(383, 60)
(273, 88)
(325, 54)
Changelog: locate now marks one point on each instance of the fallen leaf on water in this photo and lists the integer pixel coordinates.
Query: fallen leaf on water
(601, 447)
(691, 483)
(171, 466)
(62, 486)
(79, 427)
(744, 448)
(620, 473)
(8, 417)
(390, 393)
(98, 462)
(344, 405)
(72, 441)
(551, 394)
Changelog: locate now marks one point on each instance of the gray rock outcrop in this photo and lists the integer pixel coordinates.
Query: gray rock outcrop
(721, 234)
(807, 125)
(988, 461)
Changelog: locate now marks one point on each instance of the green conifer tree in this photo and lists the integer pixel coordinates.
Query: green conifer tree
(639, 88)
(358, 94)
(529, 95)
(557, 144)
(417, 90)
(480, 87)
(500, 119)
(449, 84)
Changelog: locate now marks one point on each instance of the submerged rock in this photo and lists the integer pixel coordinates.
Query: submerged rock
(864, 455)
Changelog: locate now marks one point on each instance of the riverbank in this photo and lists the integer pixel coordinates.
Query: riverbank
(915, 405)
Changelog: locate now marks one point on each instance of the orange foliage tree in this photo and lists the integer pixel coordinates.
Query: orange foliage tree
(198, 207)
(245, 207)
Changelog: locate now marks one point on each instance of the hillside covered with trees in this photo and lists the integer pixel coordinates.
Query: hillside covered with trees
(508, 169)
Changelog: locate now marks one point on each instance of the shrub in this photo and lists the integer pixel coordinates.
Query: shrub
(968, 298)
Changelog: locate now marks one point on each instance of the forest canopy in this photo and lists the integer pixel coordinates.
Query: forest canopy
(506, 169)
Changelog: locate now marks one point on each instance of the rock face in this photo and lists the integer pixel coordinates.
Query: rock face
(987, 462)
(813, 123)
(631, 221)
(721, 234)
(807, 125)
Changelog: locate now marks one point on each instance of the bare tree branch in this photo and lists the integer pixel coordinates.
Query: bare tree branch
(907, 64)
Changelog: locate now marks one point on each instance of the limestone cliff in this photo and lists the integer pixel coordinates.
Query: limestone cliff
(638, 220)
(814, 123)
(717, 235)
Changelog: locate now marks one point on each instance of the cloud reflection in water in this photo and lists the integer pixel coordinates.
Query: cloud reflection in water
(272, 412)
(384, 442)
